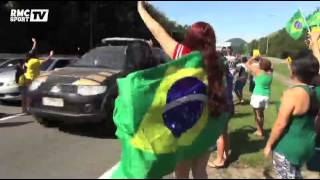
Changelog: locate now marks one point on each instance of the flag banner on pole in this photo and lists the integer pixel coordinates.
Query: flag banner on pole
(296, 25)
(162, 118)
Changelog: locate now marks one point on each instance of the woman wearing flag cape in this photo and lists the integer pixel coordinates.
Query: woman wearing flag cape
(200, 37)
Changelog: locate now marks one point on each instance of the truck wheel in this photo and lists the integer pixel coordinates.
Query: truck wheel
(108, 120)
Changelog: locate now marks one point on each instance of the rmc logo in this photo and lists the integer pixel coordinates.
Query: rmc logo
(29, 15)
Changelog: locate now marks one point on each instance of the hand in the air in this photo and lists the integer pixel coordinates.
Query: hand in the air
(51, 53)
(141, 4)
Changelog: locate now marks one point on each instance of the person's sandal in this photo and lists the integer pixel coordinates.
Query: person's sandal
(212, 165)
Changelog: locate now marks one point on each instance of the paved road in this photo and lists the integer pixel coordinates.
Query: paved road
(29, 150)
(277, 60)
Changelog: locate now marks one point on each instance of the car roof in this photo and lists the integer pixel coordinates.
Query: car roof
(126, 39)
(108, 49)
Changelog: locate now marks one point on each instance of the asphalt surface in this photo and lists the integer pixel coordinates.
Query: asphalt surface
(30, 150)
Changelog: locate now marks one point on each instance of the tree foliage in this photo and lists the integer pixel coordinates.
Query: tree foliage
(73, 24)
(281, 45)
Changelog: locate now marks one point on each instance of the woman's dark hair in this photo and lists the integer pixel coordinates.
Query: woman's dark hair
(265, 64)
(201, 37)
(244, 59)
(306, 70)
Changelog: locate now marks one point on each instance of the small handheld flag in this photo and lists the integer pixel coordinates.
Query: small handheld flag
(289, 60)
(256, 53)
(314, 19)
(296, 25)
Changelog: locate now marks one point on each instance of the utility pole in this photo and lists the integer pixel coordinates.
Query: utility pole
(267, 46)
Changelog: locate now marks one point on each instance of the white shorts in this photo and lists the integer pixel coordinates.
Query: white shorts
(258, 101)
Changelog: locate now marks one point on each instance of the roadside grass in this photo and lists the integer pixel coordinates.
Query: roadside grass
(247, 149)
(282, 69)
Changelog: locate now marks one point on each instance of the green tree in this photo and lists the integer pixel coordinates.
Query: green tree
(74, 23)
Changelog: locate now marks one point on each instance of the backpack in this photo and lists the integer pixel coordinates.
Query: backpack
(19, 72)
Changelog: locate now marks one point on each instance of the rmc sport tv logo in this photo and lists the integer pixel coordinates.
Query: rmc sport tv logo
(29, 15)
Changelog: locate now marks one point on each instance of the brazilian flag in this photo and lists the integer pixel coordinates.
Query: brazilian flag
(314, 19)
(162, 118)
(296, 25)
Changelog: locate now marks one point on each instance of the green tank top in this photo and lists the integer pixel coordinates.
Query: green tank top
(262, 84)
(297, 143)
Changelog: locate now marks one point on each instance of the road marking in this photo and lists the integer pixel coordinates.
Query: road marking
(108, 174)
(12, 116)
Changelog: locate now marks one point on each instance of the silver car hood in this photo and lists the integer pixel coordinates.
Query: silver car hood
(8, 76)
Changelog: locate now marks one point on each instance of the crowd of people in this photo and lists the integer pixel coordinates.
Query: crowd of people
(297, 121)
(293, 138)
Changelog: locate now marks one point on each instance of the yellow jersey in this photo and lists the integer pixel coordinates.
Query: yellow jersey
(33, 68)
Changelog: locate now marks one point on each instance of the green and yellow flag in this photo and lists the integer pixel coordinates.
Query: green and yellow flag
(296, 25)
(162, 118)
(314, 19)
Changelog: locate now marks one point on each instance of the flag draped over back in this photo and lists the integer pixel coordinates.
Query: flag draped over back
(296, 25)
(162, 118)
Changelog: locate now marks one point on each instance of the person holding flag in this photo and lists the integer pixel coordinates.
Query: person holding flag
(183, 111)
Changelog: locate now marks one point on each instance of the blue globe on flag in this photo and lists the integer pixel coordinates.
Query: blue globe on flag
(185, 103)
(298, 25)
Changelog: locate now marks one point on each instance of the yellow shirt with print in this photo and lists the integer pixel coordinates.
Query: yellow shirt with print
(33, 68)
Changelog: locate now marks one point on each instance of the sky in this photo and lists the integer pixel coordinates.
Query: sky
(236, 19)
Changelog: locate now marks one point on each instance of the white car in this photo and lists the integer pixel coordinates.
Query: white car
(9, 89)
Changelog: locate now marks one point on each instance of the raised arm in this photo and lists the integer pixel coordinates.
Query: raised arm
(314, 40)
(252, 69)
(34, 45)
(49, 57)
(167, 43)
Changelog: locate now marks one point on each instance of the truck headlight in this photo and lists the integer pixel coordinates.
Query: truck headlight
(91, 90)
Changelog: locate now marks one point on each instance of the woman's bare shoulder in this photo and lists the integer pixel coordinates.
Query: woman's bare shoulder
(295, 94)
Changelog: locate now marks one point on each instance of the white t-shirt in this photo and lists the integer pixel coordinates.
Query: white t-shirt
(232, 64)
